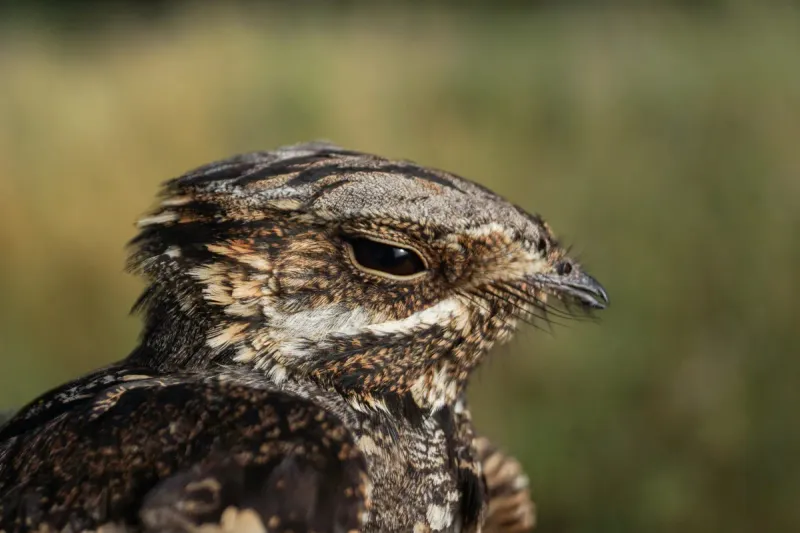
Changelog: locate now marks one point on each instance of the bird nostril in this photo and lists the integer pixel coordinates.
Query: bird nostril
(564, 268)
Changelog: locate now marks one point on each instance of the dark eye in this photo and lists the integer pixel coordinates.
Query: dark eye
(541, 245)
(385, 258)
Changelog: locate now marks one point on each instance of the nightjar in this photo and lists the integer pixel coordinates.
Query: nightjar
(311, 321)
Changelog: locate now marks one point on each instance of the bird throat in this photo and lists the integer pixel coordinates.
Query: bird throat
(406, 371)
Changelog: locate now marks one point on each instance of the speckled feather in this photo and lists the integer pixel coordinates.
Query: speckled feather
(282, 386)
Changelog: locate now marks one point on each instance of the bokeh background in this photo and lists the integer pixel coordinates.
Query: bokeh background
(662, 139)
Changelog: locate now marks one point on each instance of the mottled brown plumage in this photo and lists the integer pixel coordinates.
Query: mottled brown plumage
(312, 318)
(510, 509)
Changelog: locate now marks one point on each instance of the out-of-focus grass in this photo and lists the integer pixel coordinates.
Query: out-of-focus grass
(665, 146)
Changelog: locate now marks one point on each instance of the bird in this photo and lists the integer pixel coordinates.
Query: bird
(312, 316)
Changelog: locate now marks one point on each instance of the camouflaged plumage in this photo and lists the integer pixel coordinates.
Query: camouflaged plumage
(281, 383)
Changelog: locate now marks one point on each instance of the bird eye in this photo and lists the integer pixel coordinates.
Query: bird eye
(385, 258)
(541, 245)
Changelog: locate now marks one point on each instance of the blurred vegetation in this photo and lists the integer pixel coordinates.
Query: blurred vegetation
(662, 143)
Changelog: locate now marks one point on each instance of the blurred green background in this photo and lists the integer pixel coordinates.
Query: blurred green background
(662, 140)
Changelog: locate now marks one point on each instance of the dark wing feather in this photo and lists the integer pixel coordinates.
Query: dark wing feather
(171, 455)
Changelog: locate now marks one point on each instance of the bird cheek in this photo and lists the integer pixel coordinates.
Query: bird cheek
(455, 265)
(454, 272)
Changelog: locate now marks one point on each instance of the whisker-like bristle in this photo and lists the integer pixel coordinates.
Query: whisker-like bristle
(531, 306)
(568, 312)
(517, 316)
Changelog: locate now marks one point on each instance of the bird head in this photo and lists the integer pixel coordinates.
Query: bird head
(380, 279)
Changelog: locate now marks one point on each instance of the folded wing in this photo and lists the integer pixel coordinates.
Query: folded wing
(180, 454)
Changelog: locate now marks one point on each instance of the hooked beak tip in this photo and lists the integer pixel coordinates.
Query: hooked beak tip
(588, 291)
(580, 287)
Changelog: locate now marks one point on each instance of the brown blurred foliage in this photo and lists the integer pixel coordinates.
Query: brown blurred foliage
(664, 145)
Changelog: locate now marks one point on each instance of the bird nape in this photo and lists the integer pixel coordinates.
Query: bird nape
(311, 320)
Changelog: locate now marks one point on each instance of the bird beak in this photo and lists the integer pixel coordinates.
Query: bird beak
(576, 286)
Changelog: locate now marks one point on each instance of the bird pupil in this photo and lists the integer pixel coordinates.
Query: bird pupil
(386, 257)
